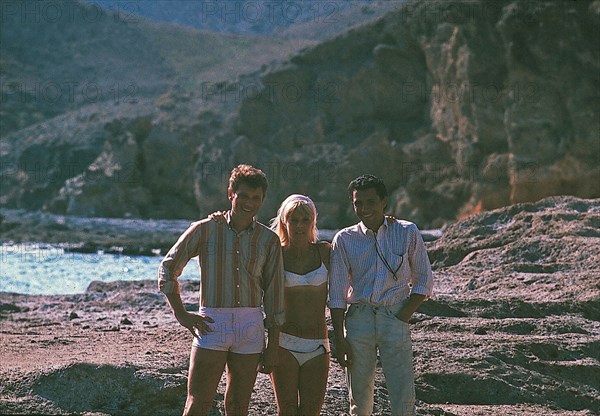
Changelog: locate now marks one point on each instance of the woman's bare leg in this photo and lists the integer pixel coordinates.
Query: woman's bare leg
(313, 384)
(285, 383)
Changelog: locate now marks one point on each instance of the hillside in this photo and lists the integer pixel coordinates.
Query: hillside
(71, 74)
(315, 19)
(58, 57)
(459, 106)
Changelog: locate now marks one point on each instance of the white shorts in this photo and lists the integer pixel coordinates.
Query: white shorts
(238, 330)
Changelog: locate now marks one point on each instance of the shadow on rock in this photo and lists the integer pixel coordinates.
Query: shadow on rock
(113, 390)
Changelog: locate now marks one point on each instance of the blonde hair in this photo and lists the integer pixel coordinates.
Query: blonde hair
(288, 206)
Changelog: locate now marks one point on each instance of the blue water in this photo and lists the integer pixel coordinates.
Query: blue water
(38, 269)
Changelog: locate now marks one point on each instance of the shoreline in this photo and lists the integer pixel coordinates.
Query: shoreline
(130, 236)
(512, 329)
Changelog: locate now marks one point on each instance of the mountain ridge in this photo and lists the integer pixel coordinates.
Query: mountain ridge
(258, 17)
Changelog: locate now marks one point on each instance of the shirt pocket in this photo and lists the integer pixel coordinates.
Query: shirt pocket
(397, 263)
(254, 260)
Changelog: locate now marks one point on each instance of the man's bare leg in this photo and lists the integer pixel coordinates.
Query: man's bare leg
(241, 375)
(206, 368)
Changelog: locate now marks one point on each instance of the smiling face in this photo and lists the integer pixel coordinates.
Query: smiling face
(369, 207)
(245, 202)
(299, 226)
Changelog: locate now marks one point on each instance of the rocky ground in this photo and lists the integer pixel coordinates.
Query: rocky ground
(514, 329)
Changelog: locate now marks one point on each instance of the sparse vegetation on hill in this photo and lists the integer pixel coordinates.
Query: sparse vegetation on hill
(460, 106)
(59, 57)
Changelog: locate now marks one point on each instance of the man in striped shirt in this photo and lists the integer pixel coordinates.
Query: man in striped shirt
(381, 269)
(241, 272)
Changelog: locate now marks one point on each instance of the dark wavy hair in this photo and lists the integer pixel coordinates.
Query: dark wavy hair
(366, 182)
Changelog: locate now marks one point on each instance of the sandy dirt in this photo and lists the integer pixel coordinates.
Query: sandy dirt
(497, 339)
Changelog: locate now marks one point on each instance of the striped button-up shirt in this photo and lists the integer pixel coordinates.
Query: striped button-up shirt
(242, 269)
(360, 275)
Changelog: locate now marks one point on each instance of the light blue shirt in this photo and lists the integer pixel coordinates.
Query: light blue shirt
(359, 275)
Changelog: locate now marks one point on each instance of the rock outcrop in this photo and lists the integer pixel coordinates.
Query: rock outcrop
(549, 247)
(460, 106)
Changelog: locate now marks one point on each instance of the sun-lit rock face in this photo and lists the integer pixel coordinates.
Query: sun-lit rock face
(460, 107)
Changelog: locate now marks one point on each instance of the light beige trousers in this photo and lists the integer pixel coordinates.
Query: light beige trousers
(370, 329)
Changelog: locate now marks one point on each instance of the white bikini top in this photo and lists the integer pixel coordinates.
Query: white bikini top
(315, 278)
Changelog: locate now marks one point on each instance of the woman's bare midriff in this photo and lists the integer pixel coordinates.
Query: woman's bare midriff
(305, 311)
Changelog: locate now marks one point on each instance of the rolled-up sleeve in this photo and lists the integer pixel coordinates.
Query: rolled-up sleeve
(421, 276)
(186, 247)
(339, 275)
(273, 284)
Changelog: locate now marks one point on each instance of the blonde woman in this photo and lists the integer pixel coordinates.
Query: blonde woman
(300, 378)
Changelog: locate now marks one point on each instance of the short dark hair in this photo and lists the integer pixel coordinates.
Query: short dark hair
(366, 182)
(248, 175)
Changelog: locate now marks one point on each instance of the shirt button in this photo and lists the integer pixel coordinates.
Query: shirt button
(238, 252)
(237, 268)
(237, 285)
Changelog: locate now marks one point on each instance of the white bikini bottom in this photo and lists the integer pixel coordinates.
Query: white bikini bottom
(303, 349)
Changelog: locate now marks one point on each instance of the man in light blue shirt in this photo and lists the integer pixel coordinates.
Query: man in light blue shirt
(380, 268)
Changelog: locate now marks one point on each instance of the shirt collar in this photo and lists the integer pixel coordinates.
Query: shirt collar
(365, 230)
(228, 220)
